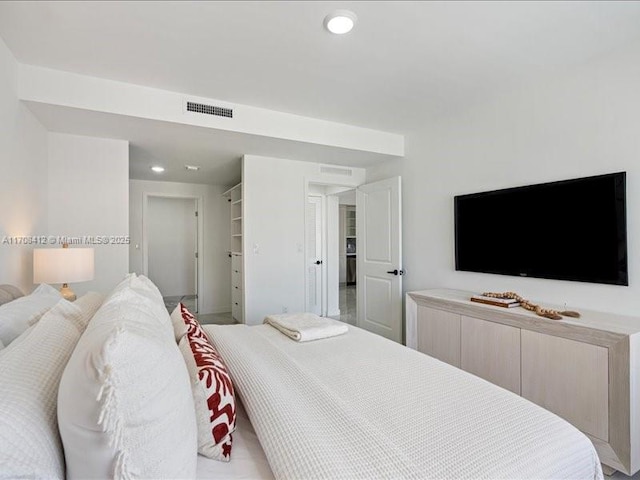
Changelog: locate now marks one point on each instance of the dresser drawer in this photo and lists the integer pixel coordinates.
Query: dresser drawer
(236, 263)
(236, 296)
(236, 305)
(236, 278)
(236, 312)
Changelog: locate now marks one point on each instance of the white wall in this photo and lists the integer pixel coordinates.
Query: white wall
(23, 177)
(172, 242)
(348, 198)
(275, 191)
(580, 123)
(89, 195)
(215, 291)
(57, 87)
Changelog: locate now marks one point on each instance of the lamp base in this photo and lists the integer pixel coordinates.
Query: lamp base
(67, 293)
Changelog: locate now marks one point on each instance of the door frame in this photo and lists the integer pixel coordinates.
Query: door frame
(324, 274)
(200, 236)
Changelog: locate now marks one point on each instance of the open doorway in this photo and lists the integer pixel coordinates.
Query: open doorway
(348, 272)
(376, 247)
(331, 252)
(171, 228)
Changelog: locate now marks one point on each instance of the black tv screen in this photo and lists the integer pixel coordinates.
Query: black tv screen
(568, 230)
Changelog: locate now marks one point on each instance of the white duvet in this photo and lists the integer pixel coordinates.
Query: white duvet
(361, 406)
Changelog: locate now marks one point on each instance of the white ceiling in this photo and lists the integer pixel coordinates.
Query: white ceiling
(403, 65)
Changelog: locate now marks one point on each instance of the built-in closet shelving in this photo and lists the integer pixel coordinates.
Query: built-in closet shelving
(234, 197)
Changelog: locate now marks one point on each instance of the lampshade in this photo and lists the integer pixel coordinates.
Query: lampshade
(62, 265)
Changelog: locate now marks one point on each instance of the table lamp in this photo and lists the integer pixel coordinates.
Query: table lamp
(63, 265)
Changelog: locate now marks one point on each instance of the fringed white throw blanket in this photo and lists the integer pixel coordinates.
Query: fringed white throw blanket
(304, 327)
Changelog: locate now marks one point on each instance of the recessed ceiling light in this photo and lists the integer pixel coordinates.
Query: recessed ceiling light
(192, 168)
(340, 21)
(157, 169)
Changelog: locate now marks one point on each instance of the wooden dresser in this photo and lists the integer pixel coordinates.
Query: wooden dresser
(586, 370)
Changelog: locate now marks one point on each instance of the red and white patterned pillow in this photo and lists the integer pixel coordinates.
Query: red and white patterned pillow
(212, 389)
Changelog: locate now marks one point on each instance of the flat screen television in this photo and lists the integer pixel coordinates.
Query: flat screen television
(568, 230)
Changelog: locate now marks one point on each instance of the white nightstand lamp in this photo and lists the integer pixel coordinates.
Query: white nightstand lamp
(63, 265)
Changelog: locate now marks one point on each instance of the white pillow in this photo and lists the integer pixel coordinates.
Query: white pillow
(5, 297)
(145, 282)
(11, 290)
(153, 304)
(125, 407)
(179, 328)
(30, 371)
(18, 315)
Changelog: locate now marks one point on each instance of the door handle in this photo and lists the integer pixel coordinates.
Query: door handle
(318, 262)
(396, 272)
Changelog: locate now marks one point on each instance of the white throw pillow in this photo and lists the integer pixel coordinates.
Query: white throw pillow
(5, 297)
(125, 407)
(30, 371)
(18, 315)
(179, 327)
(153, 304)
(12, 290)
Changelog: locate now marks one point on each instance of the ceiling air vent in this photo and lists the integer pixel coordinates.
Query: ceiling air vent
(209, 109)
(347, 172)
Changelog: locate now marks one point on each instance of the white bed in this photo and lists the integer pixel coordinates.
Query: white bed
(360, 406)
(350, 406)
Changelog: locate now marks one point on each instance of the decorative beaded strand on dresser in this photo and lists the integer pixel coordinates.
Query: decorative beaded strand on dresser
(527, 305)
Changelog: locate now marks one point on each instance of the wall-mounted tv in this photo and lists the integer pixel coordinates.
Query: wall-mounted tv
(568, 230)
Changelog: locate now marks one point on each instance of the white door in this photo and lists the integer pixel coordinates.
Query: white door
(379, 255)
(314, 254)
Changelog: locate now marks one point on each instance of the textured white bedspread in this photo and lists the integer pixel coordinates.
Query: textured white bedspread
(247, 457)
(360, 406)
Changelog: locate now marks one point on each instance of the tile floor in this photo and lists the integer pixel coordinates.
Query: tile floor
(347, 304)
(216, 318)
(188, 300)
(621, 476)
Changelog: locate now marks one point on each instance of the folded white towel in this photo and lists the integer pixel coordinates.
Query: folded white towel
(303, 327)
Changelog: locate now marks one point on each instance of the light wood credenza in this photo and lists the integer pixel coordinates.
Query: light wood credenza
(586, 370)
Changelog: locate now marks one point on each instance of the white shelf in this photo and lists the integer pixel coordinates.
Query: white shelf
(228, 192)
(234, 196)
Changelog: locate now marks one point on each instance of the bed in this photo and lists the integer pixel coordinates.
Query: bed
(360, 406)
(100, 389)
